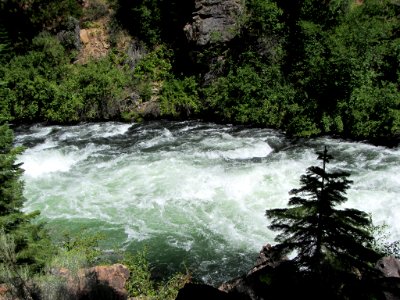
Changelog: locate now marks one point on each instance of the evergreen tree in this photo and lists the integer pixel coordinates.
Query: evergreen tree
(32, 245)
(11, 198)
(331, 244)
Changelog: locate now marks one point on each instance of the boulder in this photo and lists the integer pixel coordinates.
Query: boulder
(390, 266)
(255, 285)
(100, 282)
(84, 35)
(114, 277)
(193, 291)
(214, 21)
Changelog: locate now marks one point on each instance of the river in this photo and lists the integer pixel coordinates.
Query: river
(193, 193)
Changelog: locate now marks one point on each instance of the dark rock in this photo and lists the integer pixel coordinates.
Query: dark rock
(270, 278)
(390, 287)
(268, 257)
(193, 291)
(390, 268)
(214, 21)
(149, 109)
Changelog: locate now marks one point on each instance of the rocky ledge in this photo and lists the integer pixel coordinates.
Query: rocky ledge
(274, 277)
(214, 21)
(100, 282)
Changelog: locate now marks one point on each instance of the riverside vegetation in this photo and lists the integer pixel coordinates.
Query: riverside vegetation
(308, 68)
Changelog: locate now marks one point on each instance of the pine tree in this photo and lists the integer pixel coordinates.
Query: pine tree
(329, 242)
(32, 245)
(11, 198)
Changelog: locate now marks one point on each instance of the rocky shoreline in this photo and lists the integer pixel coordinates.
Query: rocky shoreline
(270, 278)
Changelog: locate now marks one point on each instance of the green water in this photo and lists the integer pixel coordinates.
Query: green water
(194, 193)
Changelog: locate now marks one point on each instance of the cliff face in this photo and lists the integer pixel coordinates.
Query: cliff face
(214, 21)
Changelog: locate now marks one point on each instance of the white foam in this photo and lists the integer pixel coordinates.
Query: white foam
(247, 149)
(46, 158)
(166, 136)
(47, 162)
(203, 190)
(117, 129)
(36, 131)
(102, 130)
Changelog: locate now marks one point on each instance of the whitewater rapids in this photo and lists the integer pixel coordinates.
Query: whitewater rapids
(194, 193)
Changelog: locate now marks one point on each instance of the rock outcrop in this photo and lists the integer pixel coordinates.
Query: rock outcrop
(100, 282)
(95, 41)
(201, 291)
(214, 21)
(389, 266)
(252, 285)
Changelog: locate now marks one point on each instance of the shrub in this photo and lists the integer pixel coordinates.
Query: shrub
(179, 98)
(142, 286)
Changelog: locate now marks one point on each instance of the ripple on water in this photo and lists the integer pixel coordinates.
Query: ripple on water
(196, 190)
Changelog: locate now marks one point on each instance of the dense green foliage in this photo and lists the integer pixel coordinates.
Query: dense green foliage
(43, 85)
(330, 243)
(308, 67)
(349, 70)
(179, 98)
(332, 66)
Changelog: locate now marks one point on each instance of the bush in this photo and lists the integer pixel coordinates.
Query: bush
(179, 98)
(30, 81)
(151, 71)
(42, 86)
(101, 85)
(382, 244)
(373, 111)
(141, 285)
(252, 92)
(13, 274)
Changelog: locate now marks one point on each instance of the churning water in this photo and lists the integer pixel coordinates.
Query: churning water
(194, 193)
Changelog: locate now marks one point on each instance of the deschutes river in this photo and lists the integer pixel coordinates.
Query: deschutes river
(193, 193)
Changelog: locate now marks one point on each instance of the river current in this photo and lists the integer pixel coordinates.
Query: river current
(193, 193)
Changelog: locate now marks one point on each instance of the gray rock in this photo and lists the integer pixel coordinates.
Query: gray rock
(390, 266)
(214, 21)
